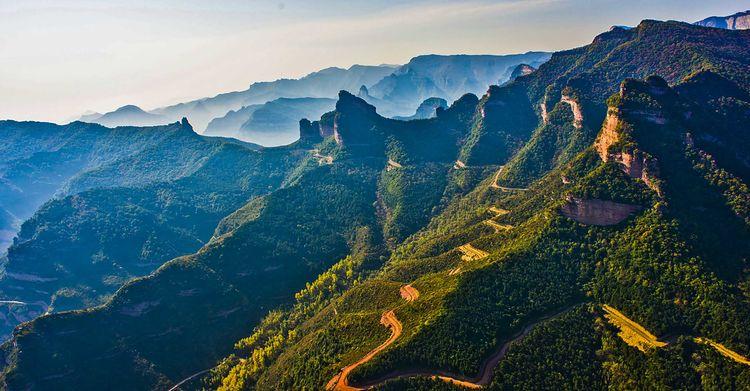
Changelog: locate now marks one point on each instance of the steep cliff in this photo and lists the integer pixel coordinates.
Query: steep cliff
(597, 212)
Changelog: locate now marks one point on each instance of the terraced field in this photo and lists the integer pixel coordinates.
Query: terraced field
(498, 211)
(470, 253)
(637, 336)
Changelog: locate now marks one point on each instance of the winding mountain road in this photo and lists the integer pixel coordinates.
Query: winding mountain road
(485, 374)
(340, 382)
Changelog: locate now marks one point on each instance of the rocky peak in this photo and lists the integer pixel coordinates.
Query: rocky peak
(354, 121)
(363, 92)
(521, 70)
(430, 106)
(349, 103)
(309, 132)
(465, 105)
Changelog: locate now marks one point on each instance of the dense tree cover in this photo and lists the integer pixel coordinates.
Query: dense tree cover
(410, 196)
(560, 353)
(553, 143)
(103, 237)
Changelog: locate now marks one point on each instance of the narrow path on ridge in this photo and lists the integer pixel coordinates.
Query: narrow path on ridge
(494, 184)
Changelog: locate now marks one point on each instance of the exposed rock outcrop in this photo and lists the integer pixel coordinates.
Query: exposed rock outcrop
(597, 212)
(354, 121)
(543, 111)
(576, 108)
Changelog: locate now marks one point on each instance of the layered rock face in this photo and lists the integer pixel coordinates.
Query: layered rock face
(597, 212)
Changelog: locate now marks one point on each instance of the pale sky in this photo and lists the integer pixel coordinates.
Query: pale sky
(59, 58)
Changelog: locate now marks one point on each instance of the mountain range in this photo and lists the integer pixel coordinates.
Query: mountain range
(397, 91)
(581, 221)
(561, 211)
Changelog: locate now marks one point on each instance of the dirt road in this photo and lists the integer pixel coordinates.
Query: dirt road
(494, 184)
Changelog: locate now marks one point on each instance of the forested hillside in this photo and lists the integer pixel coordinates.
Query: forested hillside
(585, 226)
(645, 213)
(125, 201)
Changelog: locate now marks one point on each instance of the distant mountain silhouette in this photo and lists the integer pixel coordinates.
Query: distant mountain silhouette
(128, 115)
(272, 123)
(738, 21)
(447, 77)
(427, 109)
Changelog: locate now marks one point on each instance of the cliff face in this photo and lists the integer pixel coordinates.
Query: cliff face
(353, 122)
(634, 162)
(597, 212)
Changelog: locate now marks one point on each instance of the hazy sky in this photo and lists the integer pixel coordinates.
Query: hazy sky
(59, 58)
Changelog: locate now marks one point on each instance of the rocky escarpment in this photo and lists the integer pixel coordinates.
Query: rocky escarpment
(597, 212)
(613, 142)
